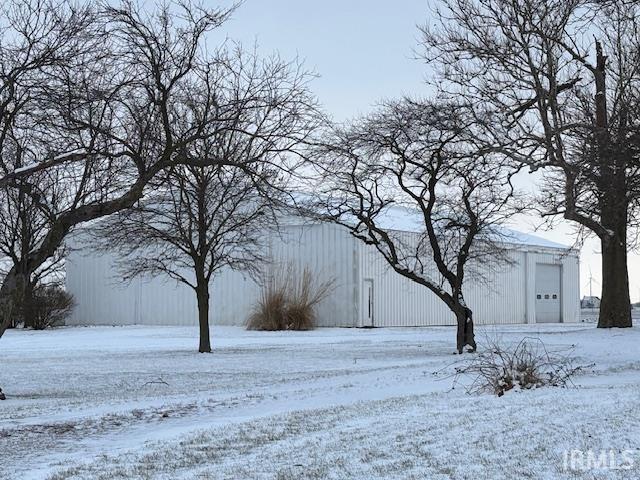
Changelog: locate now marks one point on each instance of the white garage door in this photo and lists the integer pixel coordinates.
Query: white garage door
(548, 293)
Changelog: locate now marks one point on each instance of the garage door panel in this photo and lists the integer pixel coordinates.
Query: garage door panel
(548, 294)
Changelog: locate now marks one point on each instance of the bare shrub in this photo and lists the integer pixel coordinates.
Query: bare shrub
(522, 366)
(288, 300)
(52, 305)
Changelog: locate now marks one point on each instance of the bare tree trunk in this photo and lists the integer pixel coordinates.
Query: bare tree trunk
(202, 292)
(615, 305)
(465, 335)
(8, 293)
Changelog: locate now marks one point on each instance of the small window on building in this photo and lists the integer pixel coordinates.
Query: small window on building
(538, 297)
(546, 297)
(555, 297)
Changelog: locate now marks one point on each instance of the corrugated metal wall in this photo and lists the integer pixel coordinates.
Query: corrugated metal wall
(505, 295)
(331, 253)
(102, 299)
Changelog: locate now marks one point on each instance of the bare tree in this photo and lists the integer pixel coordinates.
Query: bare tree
(563, 79)
(36, 38)
(108, 98)
(420, 157)
(23, 224)
(198, 221)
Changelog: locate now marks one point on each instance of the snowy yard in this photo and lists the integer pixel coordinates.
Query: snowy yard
(139, 402)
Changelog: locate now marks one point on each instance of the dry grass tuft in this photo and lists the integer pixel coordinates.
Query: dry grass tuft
(288, 300)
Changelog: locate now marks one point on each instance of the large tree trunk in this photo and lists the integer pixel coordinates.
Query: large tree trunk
(465, 335)
(615, 305)
(202, 293)
(9, 291)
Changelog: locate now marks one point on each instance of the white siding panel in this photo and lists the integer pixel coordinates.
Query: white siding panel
(330, 252)
(100, 298)
(507, 297)
(103, 299)
(399, 302)
(504, 294)
(500, 297)
(571, 289)
(233, 296)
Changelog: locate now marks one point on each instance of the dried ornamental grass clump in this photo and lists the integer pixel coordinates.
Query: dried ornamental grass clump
(288, 300)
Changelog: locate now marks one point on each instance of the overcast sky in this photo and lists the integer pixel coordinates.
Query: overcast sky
(363, 51)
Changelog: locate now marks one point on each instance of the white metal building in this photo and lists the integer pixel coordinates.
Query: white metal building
(541, 285)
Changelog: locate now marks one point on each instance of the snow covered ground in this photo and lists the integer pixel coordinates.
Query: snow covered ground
(140, 403)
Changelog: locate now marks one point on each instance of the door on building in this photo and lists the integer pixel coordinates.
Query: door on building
(367, 303)
(548, 294)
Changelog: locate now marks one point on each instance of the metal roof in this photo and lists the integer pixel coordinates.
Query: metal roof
(409, 220)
